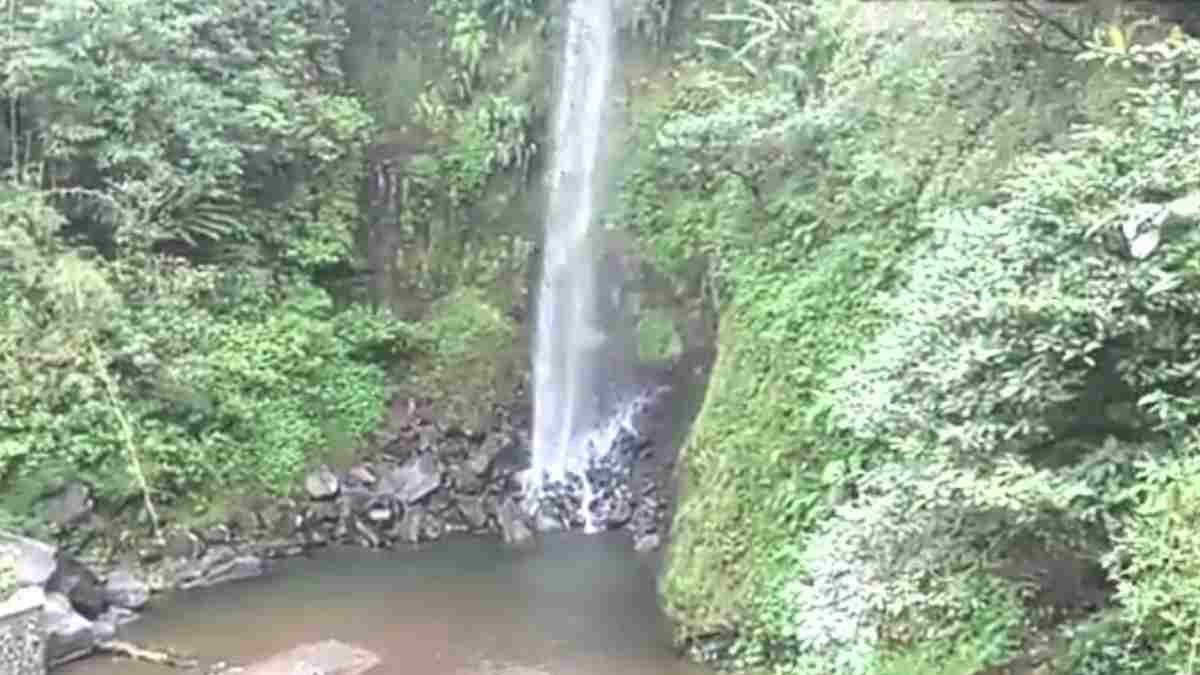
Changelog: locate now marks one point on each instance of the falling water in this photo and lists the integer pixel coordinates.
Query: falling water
(571, 338)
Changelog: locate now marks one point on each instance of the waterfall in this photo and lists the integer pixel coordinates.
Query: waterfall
(571, 343)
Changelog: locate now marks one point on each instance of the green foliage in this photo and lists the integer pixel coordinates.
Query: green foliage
(474, 359)
(183, 176)
(934, 344)
(1155, 562)
(207, 107)
(223, 384)
(657, 338)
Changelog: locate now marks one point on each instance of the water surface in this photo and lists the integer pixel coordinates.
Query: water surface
(578, 605)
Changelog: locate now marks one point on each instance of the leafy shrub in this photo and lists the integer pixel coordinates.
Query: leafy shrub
(1156, 563)
(933, 339)
(218, 393)
(657, 338)
(475, 358)
(1028, 339)
(797, 193)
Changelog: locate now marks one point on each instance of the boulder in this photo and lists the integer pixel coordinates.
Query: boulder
(321, 658)
(285, 519)
(432, 527)
(248, 522)
(70, 505)
(472, 511)
(79, 585)
(325, 512)
(322, 483)
(183, 544)
(125, 590)
(367, 536)
(34, 562)
(413, 480)
(480, 460)
(465, 479)
(220, 565)
(69, 636)
(217, 534)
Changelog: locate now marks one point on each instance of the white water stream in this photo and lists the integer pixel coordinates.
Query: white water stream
(571, 424)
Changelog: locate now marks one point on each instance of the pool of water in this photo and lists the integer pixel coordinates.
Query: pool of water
(578, 605)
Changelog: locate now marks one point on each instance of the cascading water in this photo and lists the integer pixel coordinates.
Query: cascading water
(570, 366)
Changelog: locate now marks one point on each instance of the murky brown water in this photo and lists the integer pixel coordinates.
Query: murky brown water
(578, 605)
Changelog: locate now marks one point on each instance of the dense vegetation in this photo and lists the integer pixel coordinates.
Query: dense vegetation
(947, 393)
(951, 422)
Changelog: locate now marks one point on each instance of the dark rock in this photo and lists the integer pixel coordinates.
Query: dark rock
(441, 503)
(413, 480)
(411, 525)
(280, 548)
(620, 508)
(367, 534)
(34, 561)
(183, 544)
(379, 510)
(322, 483)
(472, 511)
(78, 584)
(432, 528)
(217, 534)
(150, 554)
(325, 512)
(286, 519)
(480, 460)
(247, 522)
(360, 498)
(123, 589)
(513, 459)
(454, 450)
(645, 517)
(427, 438)
(70, 505)
(514, 527)
(68, 635)
(220, 565)
(464, 479)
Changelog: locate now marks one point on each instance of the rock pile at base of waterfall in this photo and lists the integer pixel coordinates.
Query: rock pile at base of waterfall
(423, 480)
(617, 496)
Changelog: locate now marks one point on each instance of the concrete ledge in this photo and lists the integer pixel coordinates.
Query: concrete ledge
(319, 658)
(22, 633)
(23, 601)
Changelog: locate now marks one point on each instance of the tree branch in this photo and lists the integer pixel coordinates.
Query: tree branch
(1027, 10)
